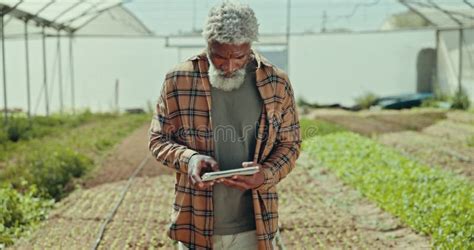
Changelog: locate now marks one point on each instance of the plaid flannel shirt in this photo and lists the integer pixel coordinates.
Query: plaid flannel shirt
(181, 127)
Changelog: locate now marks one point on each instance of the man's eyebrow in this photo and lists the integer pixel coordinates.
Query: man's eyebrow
(215, 53)
(239, 53)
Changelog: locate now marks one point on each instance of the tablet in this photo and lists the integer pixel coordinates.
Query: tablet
(228, 173)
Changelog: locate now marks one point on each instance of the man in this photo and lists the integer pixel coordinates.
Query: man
(226, 108)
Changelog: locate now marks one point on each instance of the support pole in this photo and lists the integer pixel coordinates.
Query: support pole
(71, 71)
(4, 69)
(60, 74)
(461, 38)
(117, 96)
(27, 60)
(45, 73)
(436, 86)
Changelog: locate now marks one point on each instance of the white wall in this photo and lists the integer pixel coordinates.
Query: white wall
(139, 64)
(336, 68)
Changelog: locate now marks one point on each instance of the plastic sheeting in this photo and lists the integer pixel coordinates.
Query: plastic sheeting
(448, 61)
(444, 14)
(84, 17)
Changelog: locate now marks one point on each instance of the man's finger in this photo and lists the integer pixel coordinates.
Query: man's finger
(202, 161)
(206, 184)
(191, 179)
(200, 185)
(242, 178)
(247, 164)
(196, 176)
(198, 171)
(237, 178)
(209, 183)
(197, 183)
(214, 166)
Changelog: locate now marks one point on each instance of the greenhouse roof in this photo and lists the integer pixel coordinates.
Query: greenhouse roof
(456, 13)
(83, 17)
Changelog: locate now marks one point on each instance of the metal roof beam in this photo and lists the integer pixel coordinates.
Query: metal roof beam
(468, 3)
(97, 13)
(445, 12)
(25, 16)
(433, 5)
(414, 10)
(44, 8)
(67, 10)
(14, 7)
(85, 13)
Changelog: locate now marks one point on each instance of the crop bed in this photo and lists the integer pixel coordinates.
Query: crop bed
(323, 203)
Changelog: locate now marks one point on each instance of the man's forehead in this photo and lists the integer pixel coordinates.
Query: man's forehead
(229, 49)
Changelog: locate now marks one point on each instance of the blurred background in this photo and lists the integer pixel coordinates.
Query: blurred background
(108, 55)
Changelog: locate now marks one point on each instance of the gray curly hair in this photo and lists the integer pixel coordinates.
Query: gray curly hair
(231, 22)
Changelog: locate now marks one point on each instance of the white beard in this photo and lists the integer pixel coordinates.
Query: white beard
(218, 80)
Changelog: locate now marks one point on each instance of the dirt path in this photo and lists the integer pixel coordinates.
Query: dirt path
(319, 211)
(316, 211)
(122, 161)
(75, 221)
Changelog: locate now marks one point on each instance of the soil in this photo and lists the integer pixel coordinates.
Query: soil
(379, 122)
(316, 210)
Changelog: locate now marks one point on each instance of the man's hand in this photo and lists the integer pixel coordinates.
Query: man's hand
(197, 166)
(245, 182)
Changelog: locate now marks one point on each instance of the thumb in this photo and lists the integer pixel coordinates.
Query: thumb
(214, 166)
(247, 164)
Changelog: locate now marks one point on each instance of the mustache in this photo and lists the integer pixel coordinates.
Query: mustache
(219, 79)
(221, 73)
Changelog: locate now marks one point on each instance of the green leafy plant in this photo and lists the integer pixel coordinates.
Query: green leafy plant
(470, 141)
(366, 100)
(50, 169)
(431, 200)
(302, 102)
(21, 128)
(18, 129)
(438, 98)
(430, 103)
(49, 164)
(310, 128)
(53, 161)
(19, 212)
(461, 100)
(3, 136)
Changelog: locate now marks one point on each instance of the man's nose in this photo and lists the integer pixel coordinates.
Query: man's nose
(230, 67)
